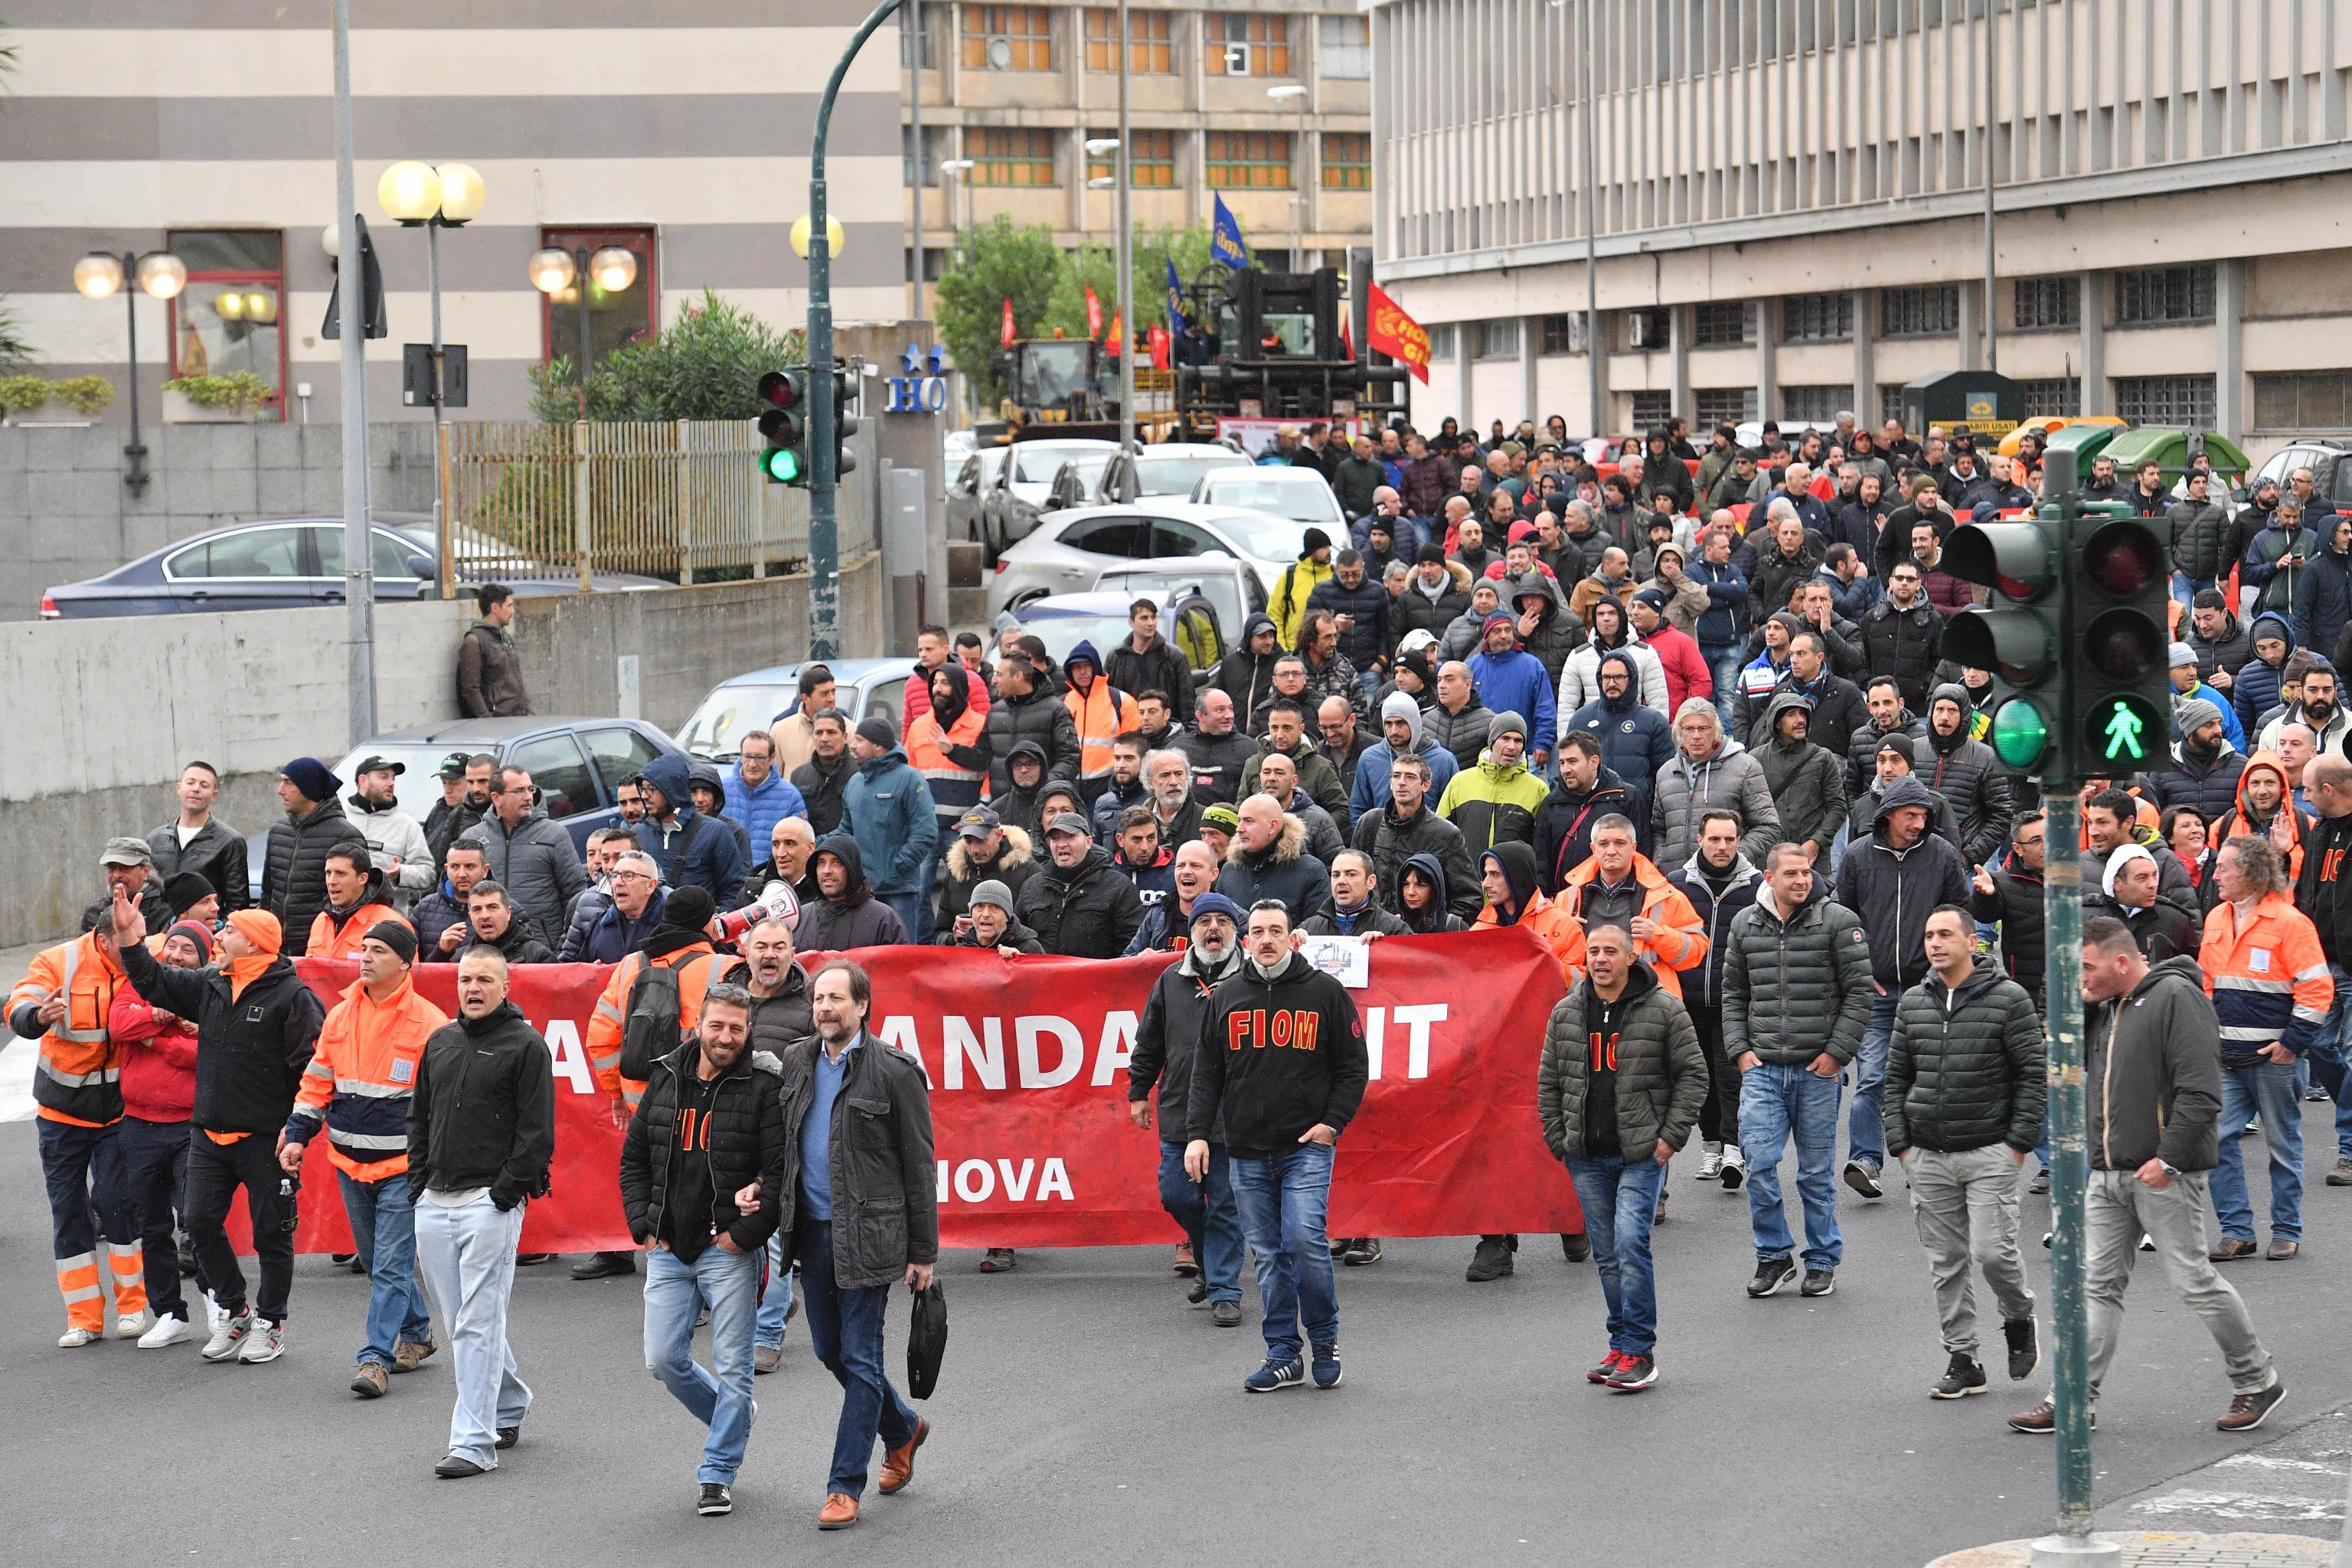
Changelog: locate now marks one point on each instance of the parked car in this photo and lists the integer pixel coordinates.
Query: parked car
(1170, 468)
(1231, 588)
(965, 491)
(1187, 620)
(288, 563)
(863, 688)
(1079, 482)
(955, 447)
(2330, 460)
(1016, 496)
(1070, 550)
(1301, 495)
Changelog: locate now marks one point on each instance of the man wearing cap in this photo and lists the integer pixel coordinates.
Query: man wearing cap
(357, 1087)
(256, 1027)
(191, 898)
(888, 808)
(988, 922)
(1081, 905)
(2187, 688)
(393, 837)
(1218, 824)
(451, 774)
(1167, 1049)
(294, 874)
(1298, 584)
(129, 865)
(986, 848)
(158, 1051)
(197, 841)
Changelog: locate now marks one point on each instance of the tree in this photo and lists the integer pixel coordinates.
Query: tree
(704, 365)
(993, 263)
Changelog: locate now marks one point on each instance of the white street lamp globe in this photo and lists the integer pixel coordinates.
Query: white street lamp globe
(331, 240)
(163, 274)
(409, 192)
(613, 269)
(552, 270)
(836, 236)
(463, 193)
(97, 275)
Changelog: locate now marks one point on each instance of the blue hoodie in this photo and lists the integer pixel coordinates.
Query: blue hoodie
(691, 852)
(886, 808)
(1517, 682)
(760, 808)
(2254, 690)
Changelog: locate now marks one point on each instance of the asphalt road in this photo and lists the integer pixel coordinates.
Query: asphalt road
(1084, 1413)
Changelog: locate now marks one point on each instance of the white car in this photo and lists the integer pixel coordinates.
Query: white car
(1070, 551)
(1170, 469)
(1011, 501)
(1302, 495)
(968, 490)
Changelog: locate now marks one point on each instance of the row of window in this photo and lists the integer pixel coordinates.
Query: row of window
(1233, 43)
(1245, 160)
(2187, 400)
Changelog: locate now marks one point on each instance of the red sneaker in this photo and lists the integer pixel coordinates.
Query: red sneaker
(1607, 1369)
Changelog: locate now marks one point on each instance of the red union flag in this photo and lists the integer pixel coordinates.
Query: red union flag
(1004, 337)
(1094, 314)
(1396, 334)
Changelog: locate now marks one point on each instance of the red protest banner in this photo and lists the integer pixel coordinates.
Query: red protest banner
(1027, 1061)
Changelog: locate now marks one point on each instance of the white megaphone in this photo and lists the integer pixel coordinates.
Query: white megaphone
(777, 901)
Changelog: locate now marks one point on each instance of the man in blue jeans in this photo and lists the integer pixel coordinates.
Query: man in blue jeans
(1167, 1045)
(708, 1129)
(2320, 891)
(1796, 996)
(1282, 1064)
(874, 1162)
(1618, 1087)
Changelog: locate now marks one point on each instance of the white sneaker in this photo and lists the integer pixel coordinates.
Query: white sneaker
(1711, 1165)
(74, 1339)
(134, 1326)
(215, 1316)
(1734, 1170)
(264, 1341)
(167, 1331)
(229, 1336)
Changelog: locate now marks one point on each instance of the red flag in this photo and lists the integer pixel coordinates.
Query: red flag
(1158, 338)
(1347, 340)
(1005, 337)
(1094, 314)
(1396, 334)
(1115, 341)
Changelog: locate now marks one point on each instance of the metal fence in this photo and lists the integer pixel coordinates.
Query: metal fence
(680, 501)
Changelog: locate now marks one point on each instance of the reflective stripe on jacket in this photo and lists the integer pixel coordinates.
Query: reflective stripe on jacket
(1101, 716)
(78, 1079)
(361, 1073)
(2268, 982)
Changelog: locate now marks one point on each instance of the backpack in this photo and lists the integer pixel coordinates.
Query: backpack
(650, 1030)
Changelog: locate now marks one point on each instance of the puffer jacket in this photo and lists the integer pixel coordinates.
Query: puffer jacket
(1493, 805)
(1900, 887)
(1168, 1039)
(783, 1020)
(1282, 871)
(856, 919)
(2322, 599)
(1463, 734)
(1731, 780)
(1808, 783)
(2208, 788)
(1662, 1076)
(744, 1142)
(537, 865)
(294, 873)
(1366, 644)
(689, 852)
(1086, 911)
(2153, 1064)
(2199, 531)
(1797, 988)
(1966, 1069)
(1039, 717)
(1703, 985)
(1392, 843)
(1158, 668)
(2227, 649)
(1905, 644)
(1415, 611)
(2256, 690)
(1579, 678)
(1862, 748)
(2016, 903)
(1966, 772)
(1635, 738)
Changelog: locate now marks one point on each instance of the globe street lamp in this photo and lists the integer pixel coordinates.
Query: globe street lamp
(162, 276)
(554, 269)
(418, 196)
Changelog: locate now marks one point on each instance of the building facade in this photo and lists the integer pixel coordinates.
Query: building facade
(1012, 94)
(1788, 203)
(680, 133)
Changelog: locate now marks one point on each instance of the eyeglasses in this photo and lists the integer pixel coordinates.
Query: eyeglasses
(630, 876)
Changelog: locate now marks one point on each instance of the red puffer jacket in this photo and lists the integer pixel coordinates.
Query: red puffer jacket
(159, 1059)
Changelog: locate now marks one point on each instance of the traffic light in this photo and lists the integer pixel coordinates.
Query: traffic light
(2122, 686)
(2019, 635)
(783, 425)
(843, 425)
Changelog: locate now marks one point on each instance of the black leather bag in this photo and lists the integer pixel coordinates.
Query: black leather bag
(927, 1340)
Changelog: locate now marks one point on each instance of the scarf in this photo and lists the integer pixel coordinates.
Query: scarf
(261, 929)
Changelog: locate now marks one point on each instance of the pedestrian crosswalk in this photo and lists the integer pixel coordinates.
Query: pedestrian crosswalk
(2294, 1483)
(16, 1062)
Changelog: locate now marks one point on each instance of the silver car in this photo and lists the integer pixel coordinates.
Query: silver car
(1070, 551)
(1170, 469)
(1301, 495)
(1011, 501)
(969, 488)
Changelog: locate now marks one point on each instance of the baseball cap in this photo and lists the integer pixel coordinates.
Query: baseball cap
(1069, 822)
(127, 851)
(377, 764)
(978, 822)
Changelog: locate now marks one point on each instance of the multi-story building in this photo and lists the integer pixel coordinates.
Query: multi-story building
(1789, 198)
(206, 127)
(1011, 95)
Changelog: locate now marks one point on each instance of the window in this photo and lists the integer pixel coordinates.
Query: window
(1346, 159)
(1816, 318)
(1250, 160)
(1652, 328)
(1651, 409)
(614, 321)
(1170, 537)
(1714, 406)
(256, 552)
(226, 318)
(1010, 155)
(1343, 45)
(1933, 311)
(2164, 294)
(2048, 303)
(1498, 339)
(1149, 48)
(1719, 323)
(1007, 38)
(1890, 403)
(2312, 400)
(1441, 340)
(1247, 45)
(1815, 405)
(2058, 396)
(388, 552)
(929, 50)
(2165, 400)
(934, 138)
(391, 553)
(1125, 537)
(617, 753)
(1561, 335)
(555, 765)
(1151, 163)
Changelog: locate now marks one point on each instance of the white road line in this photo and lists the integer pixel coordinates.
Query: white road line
(17, 1060)
(2271, 1462)
(2243, 1505)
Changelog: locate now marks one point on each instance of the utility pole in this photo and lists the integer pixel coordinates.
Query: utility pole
(922, 180)
(358, 555)
(1127, 332)
(1991, 335)
(1584, 117)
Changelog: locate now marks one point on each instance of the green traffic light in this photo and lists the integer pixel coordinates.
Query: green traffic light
(2124, 731)
(784, 466)
(2020, 733)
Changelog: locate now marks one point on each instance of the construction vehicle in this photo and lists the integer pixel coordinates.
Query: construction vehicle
(1279, 355)
(1055, 388)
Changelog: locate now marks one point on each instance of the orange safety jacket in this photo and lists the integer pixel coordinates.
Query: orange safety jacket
(362, 1071)
(332, 938)
(1552, 925)
(954, 789)
(1101, 716)
(79, 1078)
(1678, 943)
(698, 965)
(2268, 981)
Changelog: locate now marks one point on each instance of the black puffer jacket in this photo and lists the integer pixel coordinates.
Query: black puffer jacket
(1662, 1078)
(2016, 902)
(1040, 717)
(1463, 734)
(1391, 842)
(1086, 911)
(2210, 788)
(1415, 611)
(1966, 1069)
(1284, 870)
(2200, 528)
(1905, 644)
(1367, 644)
(1168, 1039)
(1248, 677)
(1716, 912)
(886, 1210)
(294, 877)
(1784, 981)
(1900, 887)
(745, 1143)
(1967, 774)
(252, 1047)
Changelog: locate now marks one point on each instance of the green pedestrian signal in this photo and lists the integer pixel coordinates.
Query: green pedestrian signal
(2120, 716)
(2122, 731)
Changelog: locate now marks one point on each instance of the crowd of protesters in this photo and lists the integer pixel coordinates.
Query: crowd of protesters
(1682, 713)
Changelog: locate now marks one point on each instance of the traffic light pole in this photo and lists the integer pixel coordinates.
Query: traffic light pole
(824, 536)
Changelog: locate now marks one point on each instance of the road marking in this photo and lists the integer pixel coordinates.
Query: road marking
(17, 1061)
(2270, 1462)
(2243, 1505)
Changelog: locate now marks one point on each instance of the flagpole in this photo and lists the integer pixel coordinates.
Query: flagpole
(1125, 316)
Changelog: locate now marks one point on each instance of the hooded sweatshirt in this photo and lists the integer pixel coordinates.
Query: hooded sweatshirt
(1436, 918)
(1899, 888)
(690, 851)
(1280, 1054)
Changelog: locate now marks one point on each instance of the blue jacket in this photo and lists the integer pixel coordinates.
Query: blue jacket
(1725, 622)
(759, 810)
(2323, 598)
(1635, 738)
(888, 808)
(615, 936)
(2231, 728)
(2256, 686)
(692, 853)
(1517, 683)
(1370, 790)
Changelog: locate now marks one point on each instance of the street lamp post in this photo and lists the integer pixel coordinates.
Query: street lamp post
(553, 270)
(1296, 91)
(160, 274)
(416, 195)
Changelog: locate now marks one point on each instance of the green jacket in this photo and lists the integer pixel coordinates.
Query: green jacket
(1661, 1075)
(1492, 805)
(1965, 1068)
(1795, 989)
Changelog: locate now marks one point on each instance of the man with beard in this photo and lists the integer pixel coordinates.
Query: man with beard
(2315, 704)
(827, 771)
(1082, 905)
(1807, 784)
(2205, 766)
(1217, 752)
(1964, 770)
(480, 775)
(1168, 775)
(1168, 1047)
(848, 914)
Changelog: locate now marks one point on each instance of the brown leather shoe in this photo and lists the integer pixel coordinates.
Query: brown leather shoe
(2282, 1250)
(2227, 1251)
(898, 1464)
(839, 1513)
(407, 1355)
